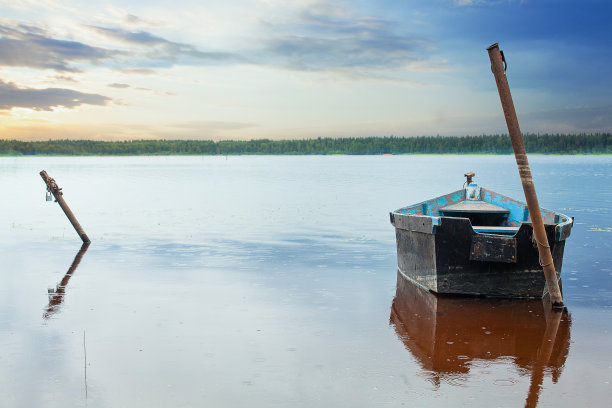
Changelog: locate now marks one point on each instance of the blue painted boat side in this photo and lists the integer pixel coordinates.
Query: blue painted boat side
(431, 207)
(519, 212)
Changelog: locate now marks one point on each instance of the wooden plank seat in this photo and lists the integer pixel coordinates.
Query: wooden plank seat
(486, 229)
(465, 207)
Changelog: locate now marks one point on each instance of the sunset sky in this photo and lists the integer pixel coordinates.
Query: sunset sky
(246, 69)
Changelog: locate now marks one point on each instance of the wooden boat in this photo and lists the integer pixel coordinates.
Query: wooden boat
(476, 242)
(451, 336)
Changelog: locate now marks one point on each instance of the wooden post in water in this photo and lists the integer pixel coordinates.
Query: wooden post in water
(546, 259)
(53, 188)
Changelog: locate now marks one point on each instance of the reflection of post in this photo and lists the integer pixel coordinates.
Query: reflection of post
(546, 259)
(53, 188)
(543, 357)
(56, 296)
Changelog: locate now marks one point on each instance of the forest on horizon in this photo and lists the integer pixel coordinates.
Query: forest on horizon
(599, 143)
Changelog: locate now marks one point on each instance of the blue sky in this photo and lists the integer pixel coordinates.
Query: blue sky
(244, 69)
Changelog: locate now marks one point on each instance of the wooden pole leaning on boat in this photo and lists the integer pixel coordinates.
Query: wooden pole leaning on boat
(53, 188)
(498, 66)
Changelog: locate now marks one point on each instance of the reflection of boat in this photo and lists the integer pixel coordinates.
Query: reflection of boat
(56, 296)
(476, 242)
(447, 335)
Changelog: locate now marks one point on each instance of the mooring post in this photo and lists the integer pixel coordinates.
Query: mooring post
(53, 188)
(498, 66)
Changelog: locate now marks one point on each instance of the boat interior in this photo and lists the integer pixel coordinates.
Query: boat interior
(488, 212)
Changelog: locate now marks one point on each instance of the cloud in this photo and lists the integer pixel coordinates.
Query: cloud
(132, 37)
(158, 50)
(314, 38)
(318, 38)
(11, 96)
(470, 3)
(133, 20)
(138, 71)
(327, 38)
(30, 46)
(122, 17)
(118, 85)
(26, 45)
(591, 119)
(570, 120)
(65, 78)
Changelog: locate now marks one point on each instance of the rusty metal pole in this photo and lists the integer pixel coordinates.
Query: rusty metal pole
(548, 266)
(57, 193)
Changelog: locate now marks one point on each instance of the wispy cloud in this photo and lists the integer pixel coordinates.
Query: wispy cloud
(138, 71)
(469, 3)
(118, 85)
(133, 20)
(24, 45)
(329, 38)
(314, 38)
(65, 78)
(132, 37)
(12, 96)
(156, 51)
(585, 119)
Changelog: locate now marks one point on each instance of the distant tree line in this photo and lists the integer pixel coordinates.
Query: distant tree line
(599, 143)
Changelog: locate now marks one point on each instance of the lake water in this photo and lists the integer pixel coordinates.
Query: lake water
(271, 281)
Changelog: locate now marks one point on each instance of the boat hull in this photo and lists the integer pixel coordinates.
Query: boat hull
(451, 258)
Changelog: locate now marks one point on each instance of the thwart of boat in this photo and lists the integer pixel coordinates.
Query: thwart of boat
(475, 241)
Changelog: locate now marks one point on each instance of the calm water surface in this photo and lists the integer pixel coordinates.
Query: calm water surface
(271, 281)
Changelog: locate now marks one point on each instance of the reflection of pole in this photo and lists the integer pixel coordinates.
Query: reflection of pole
(53, 188)
(548, 266)
(56, 297)
(543, 357)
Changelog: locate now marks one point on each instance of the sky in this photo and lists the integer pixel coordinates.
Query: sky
(252, 69)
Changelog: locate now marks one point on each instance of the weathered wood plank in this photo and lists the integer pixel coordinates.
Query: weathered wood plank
(493, 248)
